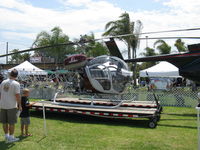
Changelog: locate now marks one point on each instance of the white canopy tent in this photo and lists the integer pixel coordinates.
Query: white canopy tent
(26, 68)
(163, 69)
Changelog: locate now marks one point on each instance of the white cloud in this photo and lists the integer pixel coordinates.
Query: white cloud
(186, 6)
(13, 35)
(22, 21)
(73, 21)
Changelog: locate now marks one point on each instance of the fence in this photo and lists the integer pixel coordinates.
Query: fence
(42, 93)
(176, 97)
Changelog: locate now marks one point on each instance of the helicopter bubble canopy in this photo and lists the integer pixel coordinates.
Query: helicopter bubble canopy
(108, 74)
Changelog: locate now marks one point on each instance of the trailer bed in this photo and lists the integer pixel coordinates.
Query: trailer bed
(134, 109)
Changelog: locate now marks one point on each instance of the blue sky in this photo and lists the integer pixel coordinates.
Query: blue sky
(137, 5)
(128, 5)
(51, 4)
(22, 20)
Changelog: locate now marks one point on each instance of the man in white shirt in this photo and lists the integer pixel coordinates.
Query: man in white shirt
(10, 103)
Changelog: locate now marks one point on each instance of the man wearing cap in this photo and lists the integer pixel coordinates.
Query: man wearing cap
(10, 102)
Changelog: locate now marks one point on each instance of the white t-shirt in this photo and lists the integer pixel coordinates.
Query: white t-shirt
(8, 89)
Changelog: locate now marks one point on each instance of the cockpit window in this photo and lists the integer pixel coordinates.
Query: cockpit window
(98, 72)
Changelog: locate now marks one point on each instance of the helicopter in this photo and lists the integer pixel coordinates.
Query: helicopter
(110, 74)
(104, 74)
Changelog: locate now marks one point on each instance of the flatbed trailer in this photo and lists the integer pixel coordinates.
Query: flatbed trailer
(101, 108)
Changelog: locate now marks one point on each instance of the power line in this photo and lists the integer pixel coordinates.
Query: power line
(132, 34)
(174, 37)
(38, 48)
(179, 30)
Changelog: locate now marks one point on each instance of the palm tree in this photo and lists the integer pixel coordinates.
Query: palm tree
(148, 52)
(15, 58)
(180, 45)
(136, 29)
(25, 56)
(125, 26)
(163, 47)
(19, 58)
(55, 37)
(91, 48)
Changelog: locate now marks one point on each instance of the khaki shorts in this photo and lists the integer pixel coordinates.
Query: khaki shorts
(25, 121)
(8, 116)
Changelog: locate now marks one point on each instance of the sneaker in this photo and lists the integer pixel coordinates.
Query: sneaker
(12, 139)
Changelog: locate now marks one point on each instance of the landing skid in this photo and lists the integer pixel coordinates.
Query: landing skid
(91, 104)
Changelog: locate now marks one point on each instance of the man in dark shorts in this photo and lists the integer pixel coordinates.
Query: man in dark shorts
(10, 103)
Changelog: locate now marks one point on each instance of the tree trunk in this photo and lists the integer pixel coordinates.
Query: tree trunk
(134, 68)
(134, 73)
(129, 51)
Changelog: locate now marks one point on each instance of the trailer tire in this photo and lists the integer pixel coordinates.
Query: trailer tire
(152, 124)
(154, 119)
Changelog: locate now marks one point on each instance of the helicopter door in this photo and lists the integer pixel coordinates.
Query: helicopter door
(99, 77)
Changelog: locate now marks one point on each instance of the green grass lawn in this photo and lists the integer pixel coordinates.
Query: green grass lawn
(177, 130)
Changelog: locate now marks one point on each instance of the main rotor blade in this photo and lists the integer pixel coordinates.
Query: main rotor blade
(173, 37)
(133, 34)
(38, 48)
(178, 30)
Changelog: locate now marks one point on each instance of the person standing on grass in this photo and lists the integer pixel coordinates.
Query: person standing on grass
(10, 103)
(25, 115)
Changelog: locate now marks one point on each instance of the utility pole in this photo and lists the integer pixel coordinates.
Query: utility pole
(6, 52)
(146, 41)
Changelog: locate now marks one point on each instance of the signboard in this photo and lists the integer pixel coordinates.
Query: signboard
(160, 83)
(36, 59)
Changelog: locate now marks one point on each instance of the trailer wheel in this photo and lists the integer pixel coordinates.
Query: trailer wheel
(152, 124)
(154, 119)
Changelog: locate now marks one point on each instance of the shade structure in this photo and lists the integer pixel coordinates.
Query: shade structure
(26, 68)
(163, 69)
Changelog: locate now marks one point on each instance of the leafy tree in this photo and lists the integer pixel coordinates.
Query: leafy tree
(98, 49)
(56, 36)
(125, 26)
(163, 47)
(15, 58)
(180, 45)
(148, 52)
(92, 48)
(136, 28)
(19, 58)
(26, 56)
